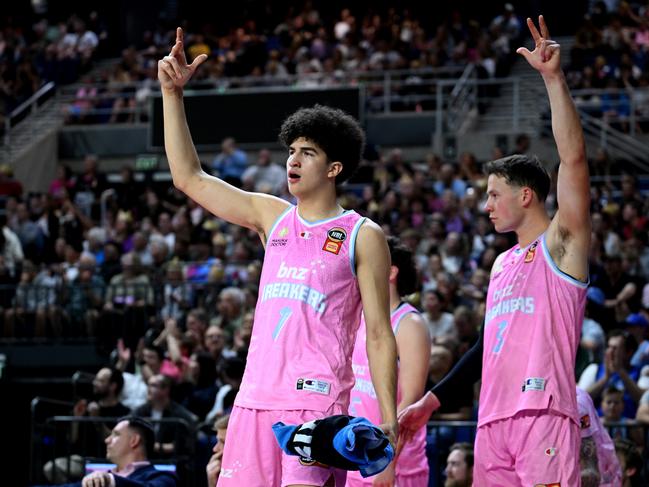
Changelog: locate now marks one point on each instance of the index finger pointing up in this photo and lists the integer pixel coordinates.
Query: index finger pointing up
(179, 42)
(533, 30)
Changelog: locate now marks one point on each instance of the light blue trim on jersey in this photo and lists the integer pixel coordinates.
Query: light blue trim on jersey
(396, 327)
(556, 270)
(320, 222)
(352, 244)
(396, 310)
(279, 219)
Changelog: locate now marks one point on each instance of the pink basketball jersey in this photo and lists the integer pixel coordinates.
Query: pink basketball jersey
(307, 315)
(364, 402)
(532, 327)
(591, 426)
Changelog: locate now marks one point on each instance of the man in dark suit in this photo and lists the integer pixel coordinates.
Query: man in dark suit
(128, 446)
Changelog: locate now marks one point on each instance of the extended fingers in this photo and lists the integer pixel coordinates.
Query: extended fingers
(200, 59)
(178, 46)
(544, 28)
(533, 30)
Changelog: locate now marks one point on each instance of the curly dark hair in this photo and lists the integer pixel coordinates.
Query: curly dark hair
(336, 132)
(521, 170)
(407, 278)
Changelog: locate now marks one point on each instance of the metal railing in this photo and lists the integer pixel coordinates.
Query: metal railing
(387, 91)
(29, 106)
(627, 108)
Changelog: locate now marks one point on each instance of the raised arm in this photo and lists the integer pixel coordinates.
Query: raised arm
(568, 237)
(251, 210)
(373, 271)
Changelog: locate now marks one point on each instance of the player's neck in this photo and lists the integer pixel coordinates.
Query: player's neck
(532, 227)
(395, 299)
(319, 207)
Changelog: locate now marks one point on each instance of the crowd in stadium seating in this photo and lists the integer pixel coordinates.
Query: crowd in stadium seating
(31, 55)
(303, 50)
(168, 292)
(611, 52)
(153, 272)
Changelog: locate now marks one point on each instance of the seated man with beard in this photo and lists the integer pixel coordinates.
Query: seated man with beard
(459, 466)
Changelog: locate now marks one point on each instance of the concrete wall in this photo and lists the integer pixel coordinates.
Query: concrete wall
(36, 166)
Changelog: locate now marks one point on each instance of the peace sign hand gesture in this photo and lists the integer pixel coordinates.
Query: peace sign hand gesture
(545, 56)
(173, 70)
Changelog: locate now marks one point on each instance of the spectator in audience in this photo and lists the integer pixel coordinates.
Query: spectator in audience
(242, 335)
(439, 321)
(129, 446)
(11, 250)
(83, 297)
(449, 179)
(135, 390)
(231, 375)
(35, 304)
(141, 248)
(165, 230)
(620, 290)
(111, 265)
(216, 340)
(129, 299)
(265, 176)
(61, 187)
(459, 466)
(615, 371)
(196, 324)
(30, 234)
(615, 420)
(9, 186)
(642, 416)
(230, 309)
(200, 384)
(593, 338)
(90, 184)
(638, 325)
(177, 294)
(170, 439)
(631, 462)
(461, 408)
(466, 330)
(86, 438)
(231, 163)
(213, 468)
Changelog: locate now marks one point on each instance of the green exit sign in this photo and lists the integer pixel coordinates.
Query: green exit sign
(146, 163)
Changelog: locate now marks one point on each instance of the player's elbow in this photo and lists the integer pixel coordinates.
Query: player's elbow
(184, 181)
(378, 335)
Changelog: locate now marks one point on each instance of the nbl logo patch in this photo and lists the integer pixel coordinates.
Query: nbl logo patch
(335, 238)
(584, 421)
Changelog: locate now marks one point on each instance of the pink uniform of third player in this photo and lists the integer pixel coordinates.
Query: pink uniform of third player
(412, 465)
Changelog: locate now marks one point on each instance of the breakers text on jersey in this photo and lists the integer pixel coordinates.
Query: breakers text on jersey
(523, 304)
(295, 291)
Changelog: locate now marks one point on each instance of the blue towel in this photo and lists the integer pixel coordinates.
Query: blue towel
(338, 441)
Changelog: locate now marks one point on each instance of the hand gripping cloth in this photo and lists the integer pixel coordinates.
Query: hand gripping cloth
(338, 441)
